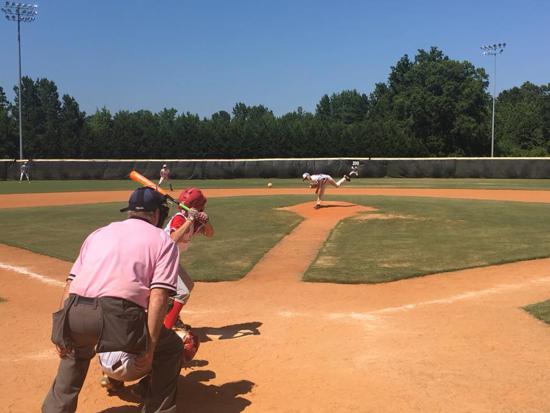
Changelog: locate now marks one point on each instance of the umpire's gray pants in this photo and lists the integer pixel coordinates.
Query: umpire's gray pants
(85, 323)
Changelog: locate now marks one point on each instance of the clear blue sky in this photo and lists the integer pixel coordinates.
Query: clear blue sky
(205, 55)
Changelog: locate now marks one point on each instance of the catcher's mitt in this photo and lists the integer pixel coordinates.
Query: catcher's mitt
(191, 343)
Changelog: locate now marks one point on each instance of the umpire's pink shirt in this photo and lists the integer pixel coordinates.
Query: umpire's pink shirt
(125, 259)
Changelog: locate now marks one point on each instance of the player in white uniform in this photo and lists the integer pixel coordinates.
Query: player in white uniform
(320, 181)
(165, 176)
(24, 169)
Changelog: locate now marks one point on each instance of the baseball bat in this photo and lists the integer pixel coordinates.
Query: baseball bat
(140, 179)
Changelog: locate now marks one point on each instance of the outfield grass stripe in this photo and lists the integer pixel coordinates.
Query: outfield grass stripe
(28, 273)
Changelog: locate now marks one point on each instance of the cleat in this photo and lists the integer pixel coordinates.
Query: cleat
(317, 206)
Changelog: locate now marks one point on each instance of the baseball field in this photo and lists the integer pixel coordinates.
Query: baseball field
(397, 296)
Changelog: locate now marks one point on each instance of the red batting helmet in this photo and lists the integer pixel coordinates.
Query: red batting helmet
(193, 198)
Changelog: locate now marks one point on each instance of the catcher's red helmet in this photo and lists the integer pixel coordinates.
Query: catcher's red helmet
(193, 198)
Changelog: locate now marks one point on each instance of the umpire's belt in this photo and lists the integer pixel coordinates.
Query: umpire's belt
(85, 300)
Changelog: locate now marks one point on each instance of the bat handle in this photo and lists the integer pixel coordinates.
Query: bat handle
(183, 206)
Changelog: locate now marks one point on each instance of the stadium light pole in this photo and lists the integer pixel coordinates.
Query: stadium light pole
(493, 50)
(20, 12)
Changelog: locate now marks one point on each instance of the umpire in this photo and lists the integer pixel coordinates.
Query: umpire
(122, 270)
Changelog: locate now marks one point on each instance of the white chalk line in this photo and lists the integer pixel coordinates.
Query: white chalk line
(463, 296)
(372, 316)
(31, 274)
(49, 354)
(357, 316)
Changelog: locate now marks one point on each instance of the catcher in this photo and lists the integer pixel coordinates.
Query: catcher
(320, 181)
(119, 367)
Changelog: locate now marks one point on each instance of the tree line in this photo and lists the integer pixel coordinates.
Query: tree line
(430, 105)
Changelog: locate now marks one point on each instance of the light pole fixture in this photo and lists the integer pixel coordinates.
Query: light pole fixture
(493, 50)
(20, 12)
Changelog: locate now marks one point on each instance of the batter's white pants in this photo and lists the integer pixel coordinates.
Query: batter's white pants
(184, 287)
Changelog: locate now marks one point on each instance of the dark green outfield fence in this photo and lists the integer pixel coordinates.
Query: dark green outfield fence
(284, 168)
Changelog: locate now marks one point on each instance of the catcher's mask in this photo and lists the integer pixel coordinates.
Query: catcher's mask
(147, 199)
(193, 198)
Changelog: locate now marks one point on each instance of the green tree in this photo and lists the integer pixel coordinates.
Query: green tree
(167, 139)
(98, 139)
(349, 106)
(71, 128)
(440, 103)
(8, 146)
(523, 121)
(324, 108)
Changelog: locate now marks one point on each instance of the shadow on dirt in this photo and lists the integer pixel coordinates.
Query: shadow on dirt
(195, 395)
(322, 206)
(228, 332)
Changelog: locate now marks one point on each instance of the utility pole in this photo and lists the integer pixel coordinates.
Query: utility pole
(20, 12)
(493, 50)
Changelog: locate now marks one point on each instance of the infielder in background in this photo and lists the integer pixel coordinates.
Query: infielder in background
(320, 181)
(165, 176)
(24, 169)
(182, 227)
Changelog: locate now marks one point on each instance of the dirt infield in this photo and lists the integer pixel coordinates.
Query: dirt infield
(74, 198)
(453, 343)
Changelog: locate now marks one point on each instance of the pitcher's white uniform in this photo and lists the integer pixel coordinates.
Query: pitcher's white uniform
(320, 181)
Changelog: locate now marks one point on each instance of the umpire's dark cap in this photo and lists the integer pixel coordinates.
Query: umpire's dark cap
(145, 199)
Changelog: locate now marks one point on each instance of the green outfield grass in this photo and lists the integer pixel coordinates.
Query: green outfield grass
(12, 187)
(246, 228)
(540, 310)
(424, 236)
(429, 236)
